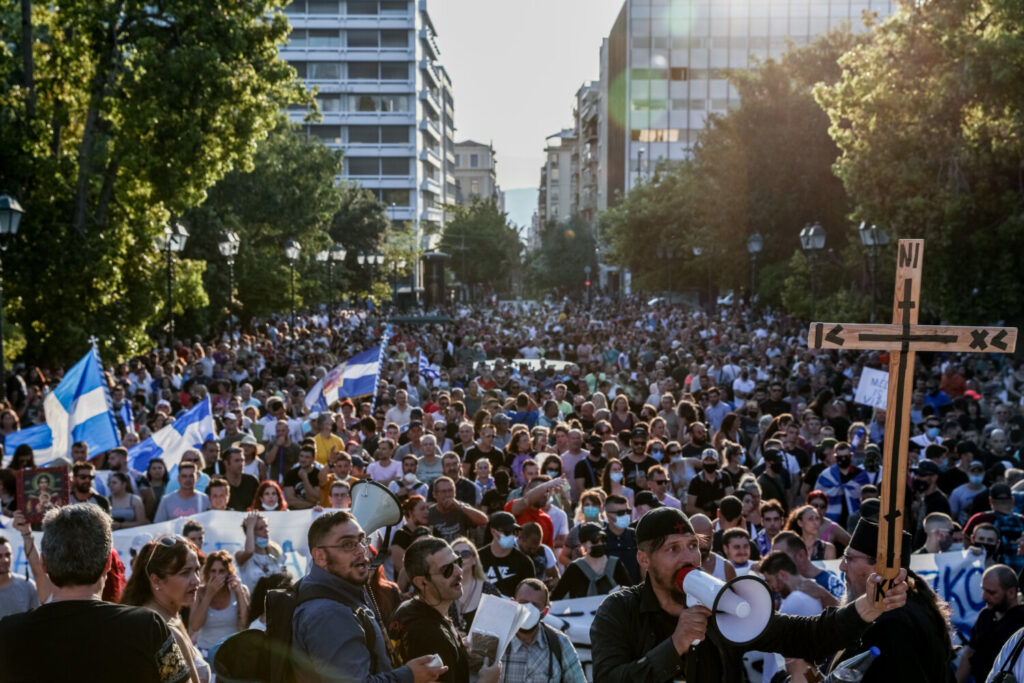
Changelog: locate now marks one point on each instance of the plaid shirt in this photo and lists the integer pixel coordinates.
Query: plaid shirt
(529, 663)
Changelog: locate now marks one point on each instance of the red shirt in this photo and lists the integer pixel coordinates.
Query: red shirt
(532, 514)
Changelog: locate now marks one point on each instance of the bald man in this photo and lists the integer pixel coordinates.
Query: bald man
(999, 620)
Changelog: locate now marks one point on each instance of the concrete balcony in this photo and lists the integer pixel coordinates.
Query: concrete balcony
(432, 214)
(431, 156)
(431, 185)
(431, 127)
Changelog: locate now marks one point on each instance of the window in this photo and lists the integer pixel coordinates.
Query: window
(394, 38)
(394, 166)
(394, 7)
(458, 161)
(394, 71)
(649, 104)
(357, 39)
(383, 103)
(362, 103)
(329, 103)
(698, 104)
(324, 38)
(363, 135)
(394, 197)
(362, 6)
(324, 71)
(296, 7)
(394, 135)
(654, 135)
(394, 103)
(680, 73)
(300, 68)
(363, 70)
(323, 6)
(474, 186)
(362, 165)
(297, 38)
(474, 161)
(326, 133)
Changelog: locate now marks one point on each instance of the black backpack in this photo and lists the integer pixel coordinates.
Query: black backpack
(267, 656)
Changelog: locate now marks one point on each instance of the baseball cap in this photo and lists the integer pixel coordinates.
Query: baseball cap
(662, 522)
(503, 522)
(590, 532)
(1000, 492)
(927, 468)
(358, 462)
(647, 498)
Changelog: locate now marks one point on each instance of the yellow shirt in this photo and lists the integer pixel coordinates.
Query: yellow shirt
(324, 445)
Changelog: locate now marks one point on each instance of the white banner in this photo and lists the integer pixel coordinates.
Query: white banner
(873, 389)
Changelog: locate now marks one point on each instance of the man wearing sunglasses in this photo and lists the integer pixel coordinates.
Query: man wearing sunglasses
(334, 626)
(420, 625)
(82, 491)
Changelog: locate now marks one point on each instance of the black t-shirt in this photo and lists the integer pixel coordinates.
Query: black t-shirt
(950, 479)
(291, 478)
(989, 635)
(692, 450)
(506, 572)
(99, 641)
(632, 470)
(707, 492)
(590, 479)
(242, 495)
(405, 536)
(495, 455)
(775, 408)
(419, 630)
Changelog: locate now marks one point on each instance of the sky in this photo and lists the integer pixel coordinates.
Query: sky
(515, 67)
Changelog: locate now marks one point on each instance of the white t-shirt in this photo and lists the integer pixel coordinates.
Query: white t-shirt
(1018, 666)
(398, 416)
(798, 604)
(559, 520)
(378, 472)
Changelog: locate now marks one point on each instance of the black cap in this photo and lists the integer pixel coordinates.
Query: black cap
(662, 522)
(1000, 492)
(647, 498)
(865, 540)
(503, 522)
(926, 468)
(935, 451)
(590, 532)
(640, 430)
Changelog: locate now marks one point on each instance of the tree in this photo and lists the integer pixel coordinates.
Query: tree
(565, 251)
(485, 249)
(118, 116)
(928, 117)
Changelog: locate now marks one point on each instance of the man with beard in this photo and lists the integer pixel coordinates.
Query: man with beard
(698, 440)
(420, 626)
(841, 483)
(81, 486)
(999, 620)
(539, 653)
(645, 632)
(334, 628)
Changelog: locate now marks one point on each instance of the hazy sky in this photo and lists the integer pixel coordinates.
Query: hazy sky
(515, 67)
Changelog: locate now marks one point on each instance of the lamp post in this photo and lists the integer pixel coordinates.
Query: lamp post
(337, 256)
(698, 251)
(812, 239)
(666, 254)
(586, 283)
(872, 237)
(10, 218)
(171, 242)
(228, 247)
(755, 243)
(324, 258)
(292, 249)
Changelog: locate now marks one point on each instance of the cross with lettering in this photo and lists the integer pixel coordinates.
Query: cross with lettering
(903, 338)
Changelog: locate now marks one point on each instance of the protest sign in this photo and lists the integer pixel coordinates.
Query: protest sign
(873, 389)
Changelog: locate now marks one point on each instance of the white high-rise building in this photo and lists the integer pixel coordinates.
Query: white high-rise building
(664, 71)
(386, 101)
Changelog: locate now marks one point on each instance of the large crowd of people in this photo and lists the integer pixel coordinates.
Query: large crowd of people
(539, 451)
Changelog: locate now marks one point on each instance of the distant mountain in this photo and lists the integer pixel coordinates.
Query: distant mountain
(520, 205)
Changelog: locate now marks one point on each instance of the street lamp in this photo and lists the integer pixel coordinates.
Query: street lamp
(228, 247)
(171, 242)
(872, 237)
(337, 256)
(10, 218)
(755, 243)
(292, 249)
(812, 239)
(698, 251)
(586, 283)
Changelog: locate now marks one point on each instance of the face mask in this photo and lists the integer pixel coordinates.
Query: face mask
(616, 477)
(956, 547)
(553, 473)
(269, 507)
(507, 541)
(709, 467)
(843, 461)
(598, 550)
(989, 548)
(945, 543)
(622, 521)
(658, 455)
(676, 458)
(532, 620)
(933, 433)
(591, 512)
(262, 542)
(920, 485)
(976, 478)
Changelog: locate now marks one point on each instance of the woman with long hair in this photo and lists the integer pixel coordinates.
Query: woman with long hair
(734, 456)
(165, 578)
(806, 522)
(474, 584)
(519, 451)
(622, 418)
(829, 531)
(268, 497)
(9, 422)
(260, 556)
(24, 458)
(221, 606)
(152, 486)
(126, 508)
(612, 478)
(728, 431)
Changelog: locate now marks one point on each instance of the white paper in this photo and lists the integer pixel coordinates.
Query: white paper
(500, 617)
(873, 389)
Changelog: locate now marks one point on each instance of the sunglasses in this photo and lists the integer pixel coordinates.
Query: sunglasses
(166, 542)
(466, 554)
(659, 482)
(447, 570)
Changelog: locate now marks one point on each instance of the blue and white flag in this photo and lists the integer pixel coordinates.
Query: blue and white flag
(189, 430)
(428, 371)
(79, 409)
(355, 377)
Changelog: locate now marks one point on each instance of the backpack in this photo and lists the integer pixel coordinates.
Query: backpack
(267, 656)
(600, 584)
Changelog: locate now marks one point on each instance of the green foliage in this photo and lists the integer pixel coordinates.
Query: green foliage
(134, 111)
(565, 251)
(485, 249)
(929, 118)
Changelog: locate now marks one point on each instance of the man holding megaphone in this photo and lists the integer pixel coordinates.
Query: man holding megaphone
(681, 623)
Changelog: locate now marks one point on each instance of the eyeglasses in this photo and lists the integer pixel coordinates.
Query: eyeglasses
(624, 511)
(659, 482)
(674, 452)
(851, 558)
(350, 545)
(85, 477)
(447, 570)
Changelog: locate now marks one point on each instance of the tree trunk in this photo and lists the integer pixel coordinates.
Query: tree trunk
(27, 61)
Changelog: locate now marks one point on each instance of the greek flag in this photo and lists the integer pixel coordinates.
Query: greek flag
(79, 409)
(428, 371)
(355, 377)
(189, 430)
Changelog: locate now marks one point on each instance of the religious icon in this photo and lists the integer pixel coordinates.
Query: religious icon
(41, 490)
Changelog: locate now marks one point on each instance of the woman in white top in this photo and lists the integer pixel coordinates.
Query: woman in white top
(221, 608)
(260, 556)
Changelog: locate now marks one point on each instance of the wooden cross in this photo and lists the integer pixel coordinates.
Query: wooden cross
(903, 338)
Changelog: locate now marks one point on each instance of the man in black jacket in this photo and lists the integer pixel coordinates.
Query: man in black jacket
(645, 633)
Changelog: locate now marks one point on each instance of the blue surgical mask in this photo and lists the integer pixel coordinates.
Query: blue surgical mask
(262, 542)
(933, 432)
(616, 477)
(622, 521)
(976, 478)
(658, 455)
(591, 512)
(507, 541)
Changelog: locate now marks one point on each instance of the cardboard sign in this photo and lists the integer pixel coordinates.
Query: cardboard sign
(873, 388)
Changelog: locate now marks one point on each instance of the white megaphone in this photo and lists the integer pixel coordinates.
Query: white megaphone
(740, 608)
(374, 506)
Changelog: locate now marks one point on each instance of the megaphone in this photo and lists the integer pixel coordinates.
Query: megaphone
(374, 506)
(741, 608)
